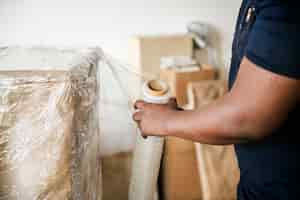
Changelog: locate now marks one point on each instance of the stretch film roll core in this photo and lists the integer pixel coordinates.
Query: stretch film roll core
(148, 152)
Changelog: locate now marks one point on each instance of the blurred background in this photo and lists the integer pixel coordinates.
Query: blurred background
(109, 23)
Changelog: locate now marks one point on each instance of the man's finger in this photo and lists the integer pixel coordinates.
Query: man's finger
(139, 104)
(140, 128)
(144, 136)
(137, 116)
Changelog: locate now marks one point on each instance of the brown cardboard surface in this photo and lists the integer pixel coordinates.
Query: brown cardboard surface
(202, 56)
(218, 172)
(116, 170)
(146, 51)
(203, 93)
(217, 165)
(179, 171)
(178, 81)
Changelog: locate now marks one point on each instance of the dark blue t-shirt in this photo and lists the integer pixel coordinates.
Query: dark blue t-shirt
(268, 34)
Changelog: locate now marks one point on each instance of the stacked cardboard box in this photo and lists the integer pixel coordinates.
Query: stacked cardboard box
(203, 93)
(179, 174)
(146, 51)
(179, 79)
(116, 170)
(180, 177)
(217, 165)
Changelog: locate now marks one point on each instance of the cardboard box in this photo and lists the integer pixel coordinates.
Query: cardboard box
(146, 51)
(208, 59)
(203, 93)
(217, 165)
(179, 80)
(218, 171)
(116, 172)
(179, 174)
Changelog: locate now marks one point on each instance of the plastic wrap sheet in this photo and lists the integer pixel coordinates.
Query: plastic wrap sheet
(118, 130)
(49, 131)
(122, 168)
(120, 141)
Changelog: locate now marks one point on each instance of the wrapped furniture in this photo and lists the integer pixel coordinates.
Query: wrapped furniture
(49, 130)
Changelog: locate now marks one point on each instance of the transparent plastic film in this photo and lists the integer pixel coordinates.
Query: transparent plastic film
(146, 153)
(121, 87)
(66, 128)
(49, 124)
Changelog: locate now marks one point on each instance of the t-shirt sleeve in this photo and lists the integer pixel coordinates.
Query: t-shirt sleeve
(274, 41)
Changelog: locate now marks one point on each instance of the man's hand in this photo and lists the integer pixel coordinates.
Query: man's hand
(152, 119)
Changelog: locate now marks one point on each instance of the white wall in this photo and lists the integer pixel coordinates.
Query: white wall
(108, 23)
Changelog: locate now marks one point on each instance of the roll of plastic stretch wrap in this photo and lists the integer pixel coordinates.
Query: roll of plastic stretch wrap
(148, 152)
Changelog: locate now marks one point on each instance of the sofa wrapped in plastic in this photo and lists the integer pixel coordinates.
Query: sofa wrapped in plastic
(49, 126)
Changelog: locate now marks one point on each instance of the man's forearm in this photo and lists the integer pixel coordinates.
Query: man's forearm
(258, 103)
(219, 124)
